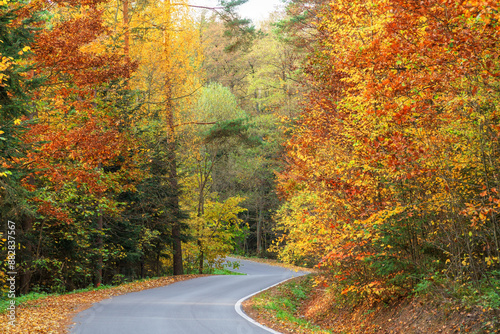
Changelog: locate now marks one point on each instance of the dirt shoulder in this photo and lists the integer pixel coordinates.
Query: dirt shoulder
(317, 312)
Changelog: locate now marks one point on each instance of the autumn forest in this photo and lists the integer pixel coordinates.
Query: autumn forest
(150, 138)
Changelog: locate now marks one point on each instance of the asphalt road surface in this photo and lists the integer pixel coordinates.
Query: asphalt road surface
(197, 306)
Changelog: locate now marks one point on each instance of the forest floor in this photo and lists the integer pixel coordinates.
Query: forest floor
(297, 306)
(54, 313)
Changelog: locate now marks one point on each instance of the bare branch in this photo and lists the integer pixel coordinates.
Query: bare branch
(195, 6)
(194, 123)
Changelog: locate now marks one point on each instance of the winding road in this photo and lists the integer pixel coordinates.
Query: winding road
(197, 306)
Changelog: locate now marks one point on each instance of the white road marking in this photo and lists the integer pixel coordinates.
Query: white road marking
(238, 309)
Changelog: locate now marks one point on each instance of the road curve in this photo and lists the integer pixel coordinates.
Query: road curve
(197, 306)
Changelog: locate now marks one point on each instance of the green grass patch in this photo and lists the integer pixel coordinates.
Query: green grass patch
(284, 301)
(4, 303)
(225, 271)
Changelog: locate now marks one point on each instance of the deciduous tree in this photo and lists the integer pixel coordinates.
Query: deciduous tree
(396, 150)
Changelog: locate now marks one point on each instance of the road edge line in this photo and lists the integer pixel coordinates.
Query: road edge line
(237, 307)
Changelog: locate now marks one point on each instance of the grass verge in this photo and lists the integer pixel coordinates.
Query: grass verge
(225, 271)
(301, 306)
(277, 308)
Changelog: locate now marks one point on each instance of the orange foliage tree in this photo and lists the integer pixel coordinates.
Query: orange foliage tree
(396, 154)
(84, 151)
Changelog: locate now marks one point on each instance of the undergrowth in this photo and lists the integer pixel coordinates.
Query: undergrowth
(484, 294)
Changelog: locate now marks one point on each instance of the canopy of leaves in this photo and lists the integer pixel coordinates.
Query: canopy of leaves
(397, 150)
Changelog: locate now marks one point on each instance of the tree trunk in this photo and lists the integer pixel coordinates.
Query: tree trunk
(171, 146)
(174, 188)
(26, 273)
(100, 243)
(259, 232)
(126, 36)
(157, 262)
(142, 266)
(201, 258)
(201, 201)
(98, 272)
(177, 246)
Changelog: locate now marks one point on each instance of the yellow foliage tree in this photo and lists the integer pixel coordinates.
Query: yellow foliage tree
(215, 232)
